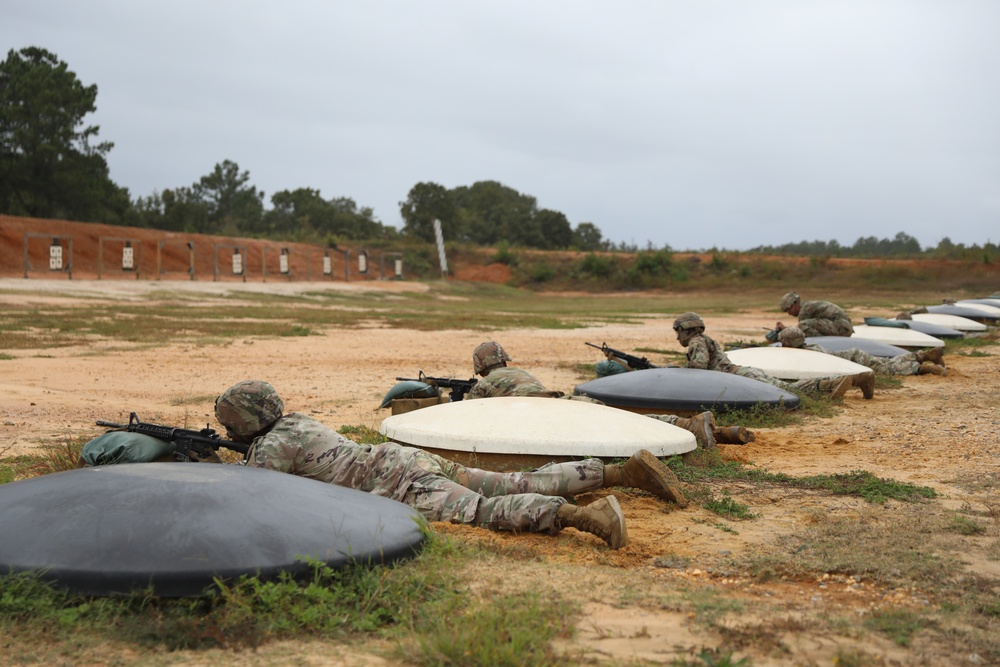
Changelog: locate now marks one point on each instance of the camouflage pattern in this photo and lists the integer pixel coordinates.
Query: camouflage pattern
(903, 364)
(488, 355)
(248, 406)
(688, 321)
(822, 318)
(706, 354)
(791, 337)
(506, 381)
(787, 301)
(670, 419)
(441, 490)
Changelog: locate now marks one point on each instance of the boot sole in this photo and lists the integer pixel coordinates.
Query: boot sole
(617, 508)
(664, 477)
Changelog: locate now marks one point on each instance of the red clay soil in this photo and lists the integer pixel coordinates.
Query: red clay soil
(94, 250)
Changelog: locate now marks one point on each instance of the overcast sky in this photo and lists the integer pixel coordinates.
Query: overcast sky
(692, 123)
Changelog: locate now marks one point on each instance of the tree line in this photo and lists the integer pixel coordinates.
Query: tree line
(52, 165)
(900, 246)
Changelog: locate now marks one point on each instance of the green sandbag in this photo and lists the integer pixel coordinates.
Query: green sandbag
(125, 447)
(882, 322)
(409, 389)
(608, 367)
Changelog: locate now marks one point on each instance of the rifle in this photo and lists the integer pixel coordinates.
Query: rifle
(459, 388)
(633, 362)
(187, 443)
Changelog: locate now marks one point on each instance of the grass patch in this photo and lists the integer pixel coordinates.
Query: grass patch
(717, 524)
(963, 525)
(893, 546)
(710, 605)
(193, 399)
(6, 357)
(888, 382)
(759, 416)
(416, 605)
(515, 631)
(728, 507)
(897, 624)
(975, 353)
(363, 434)
(709, 467)
(969, 344)
(710, 657)
(44, 460)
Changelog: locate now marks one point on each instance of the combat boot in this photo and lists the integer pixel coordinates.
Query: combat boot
(865, 382)
(703, 426)
(603, 518)
(645, 471)
(930, 368)
(934, 354)
(836, 387)
(733, 435)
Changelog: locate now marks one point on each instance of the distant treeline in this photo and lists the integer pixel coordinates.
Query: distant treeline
(902, 246)
(52, 165)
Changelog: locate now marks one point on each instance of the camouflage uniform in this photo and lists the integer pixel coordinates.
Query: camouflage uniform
(705, 353)
(441, 490)
(822, 318)
(903, 364)
(508, 381)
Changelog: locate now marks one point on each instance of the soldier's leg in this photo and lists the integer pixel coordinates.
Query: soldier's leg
(904, 364)
(702, 425)
(440, 499)
(553, 479)
(835, 387)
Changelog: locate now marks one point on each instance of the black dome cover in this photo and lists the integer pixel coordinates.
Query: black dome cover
(175, 526)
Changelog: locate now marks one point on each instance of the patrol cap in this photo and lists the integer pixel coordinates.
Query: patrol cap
(249, 407)
(486, 355)
(788, 301)
(688, 321)
(791, 337)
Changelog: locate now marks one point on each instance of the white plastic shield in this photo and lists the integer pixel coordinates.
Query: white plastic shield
(283, 262)
(128, 258)
(237, 263)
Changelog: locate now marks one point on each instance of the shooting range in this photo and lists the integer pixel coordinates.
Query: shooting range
(58, 260)
(237, 260)
(129, 254)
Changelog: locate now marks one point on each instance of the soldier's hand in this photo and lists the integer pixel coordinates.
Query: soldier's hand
(779, 326)
(212, 457)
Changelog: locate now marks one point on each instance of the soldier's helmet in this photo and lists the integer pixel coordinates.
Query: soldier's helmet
(487, 355)
(688, 321)
(788, 301)
(791, 337)
(249, 407)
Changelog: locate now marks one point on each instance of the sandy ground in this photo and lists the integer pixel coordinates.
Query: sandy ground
(933, 431)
